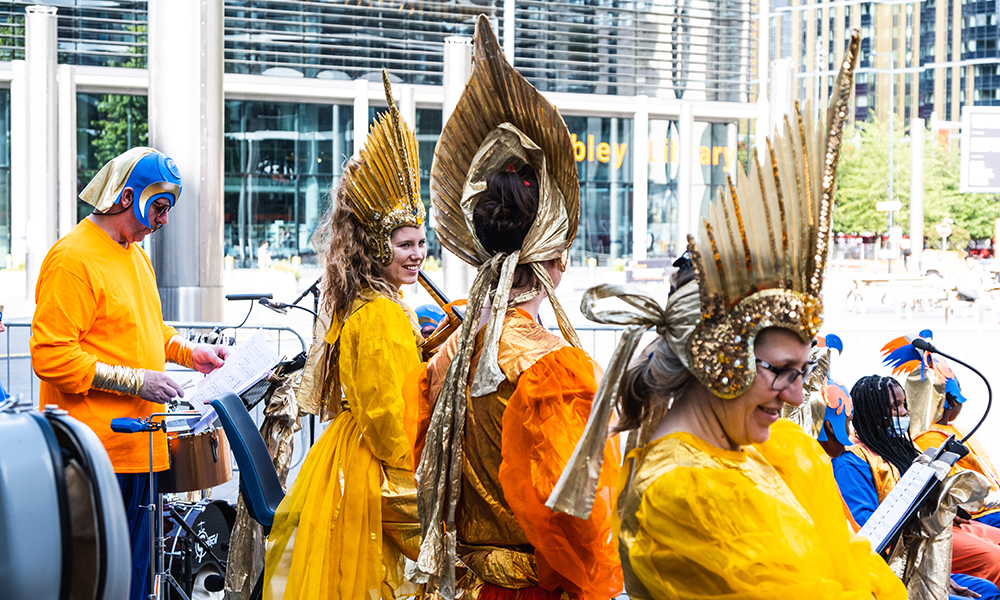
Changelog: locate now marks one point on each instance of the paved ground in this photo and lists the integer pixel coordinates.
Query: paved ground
(972, 335)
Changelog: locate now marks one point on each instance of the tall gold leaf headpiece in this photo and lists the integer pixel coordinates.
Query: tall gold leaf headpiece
(383, 189)
(755, 278)
(501, 122)
(763, 244)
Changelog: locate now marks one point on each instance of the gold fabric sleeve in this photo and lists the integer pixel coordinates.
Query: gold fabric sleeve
(124, 381)
(179, 351)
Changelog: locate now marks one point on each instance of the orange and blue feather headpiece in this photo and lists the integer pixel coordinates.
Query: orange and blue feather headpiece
(839, 406)
(904, 358)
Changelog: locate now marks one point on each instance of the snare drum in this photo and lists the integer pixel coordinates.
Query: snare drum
(197, 461)
(212, 521)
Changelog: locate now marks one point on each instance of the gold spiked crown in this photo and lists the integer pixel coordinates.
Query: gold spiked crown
(383, 189)
(763, 244)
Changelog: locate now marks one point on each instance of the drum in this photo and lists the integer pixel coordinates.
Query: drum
(197, 461)
(189, 563)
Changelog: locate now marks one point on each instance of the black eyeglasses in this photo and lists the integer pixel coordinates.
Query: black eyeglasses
(784, 377)
(161, 209)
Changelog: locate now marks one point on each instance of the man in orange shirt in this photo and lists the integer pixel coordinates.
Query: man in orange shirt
(99, 343)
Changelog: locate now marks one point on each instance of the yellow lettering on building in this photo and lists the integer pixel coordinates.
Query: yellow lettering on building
(604, 152)
(620, 154)
(590, 148)
(704, 156)
(579, 150)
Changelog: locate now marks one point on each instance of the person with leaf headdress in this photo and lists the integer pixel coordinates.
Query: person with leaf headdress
(350, 517)
(494, 415)
(719, 497)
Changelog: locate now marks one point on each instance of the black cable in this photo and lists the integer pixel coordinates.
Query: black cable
(922, 344)
(245, 318)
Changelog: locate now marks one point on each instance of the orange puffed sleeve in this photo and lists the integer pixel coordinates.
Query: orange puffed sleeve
(417, 410)
(544, 419)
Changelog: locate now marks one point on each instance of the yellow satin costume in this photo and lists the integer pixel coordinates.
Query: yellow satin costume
(517, 441)
(350, 517)
(762, 522)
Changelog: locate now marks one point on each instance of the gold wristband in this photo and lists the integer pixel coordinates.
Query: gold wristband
(117, 379)
(179, 352)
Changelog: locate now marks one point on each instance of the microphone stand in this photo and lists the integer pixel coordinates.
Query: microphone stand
(922, 344)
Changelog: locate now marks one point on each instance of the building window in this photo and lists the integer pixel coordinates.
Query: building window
(5, 224)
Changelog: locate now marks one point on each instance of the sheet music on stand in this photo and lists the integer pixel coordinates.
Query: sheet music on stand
(250, 363)
(888, 520)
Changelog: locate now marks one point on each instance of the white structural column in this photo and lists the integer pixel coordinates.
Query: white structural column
(67, 149)
(457, 69)
(640, 177)
(509, 30)
(916, 193)
(687, 212)
(407, 104)
(360, 115)
(41, 169)
(185, 122)
(782, 99)
(18, 166)
(764, 124)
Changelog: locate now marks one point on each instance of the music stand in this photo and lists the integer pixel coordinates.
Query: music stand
(157, 543)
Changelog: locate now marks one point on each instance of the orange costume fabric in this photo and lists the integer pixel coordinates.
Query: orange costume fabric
(976, 460)
(975, 548)
(516, 443)
(96, 301)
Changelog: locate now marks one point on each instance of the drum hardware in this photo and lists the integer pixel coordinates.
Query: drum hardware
(198, 544)
(159, 576)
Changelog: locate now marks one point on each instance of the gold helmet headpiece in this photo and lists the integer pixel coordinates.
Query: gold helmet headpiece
(383, 189)
(501, 122)
(759, 263)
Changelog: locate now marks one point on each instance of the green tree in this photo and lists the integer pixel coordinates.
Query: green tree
(123, 123)
(862, 181)
(12, 38)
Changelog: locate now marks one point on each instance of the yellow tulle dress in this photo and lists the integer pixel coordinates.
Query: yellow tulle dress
(763, 522)
(350, 517)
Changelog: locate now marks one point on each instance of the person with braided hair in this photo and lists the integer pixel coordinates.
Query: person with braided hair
(881, 453)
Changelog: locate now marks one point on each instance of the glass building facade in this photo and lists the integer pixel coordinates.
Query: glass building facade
(5, 225)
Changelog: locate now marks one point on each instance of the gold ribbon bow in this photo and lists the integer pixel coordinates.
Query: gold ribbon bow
(577, 486)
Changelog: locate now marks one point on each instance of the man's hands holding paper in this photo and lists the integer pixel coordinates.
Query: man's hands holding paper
(157, 387)
(206, 358)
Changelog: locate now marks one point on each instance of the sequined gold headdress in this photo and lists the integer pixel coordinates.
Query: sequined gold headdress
(500, 122)
(763, 245)
(766, 241)
(383, 189)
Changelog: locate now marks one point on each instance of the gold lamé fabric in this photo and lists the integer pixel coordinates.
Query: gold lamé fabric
(761, 522)
(924, 400)
(977, 460)
(884, 474)
(104, 189)
(383, 189)
(117, 379)
(763, 243)
(922, 558)
(489, 540)
(246, 543)
(574, 493)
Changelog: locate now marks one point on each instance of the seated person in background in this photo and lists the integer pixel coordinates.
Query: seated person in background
(428, 317)
(867, 470)
(934, 398)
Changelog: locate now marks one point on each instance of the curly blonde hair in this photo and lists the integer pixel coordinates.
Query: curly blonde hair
(345, 248)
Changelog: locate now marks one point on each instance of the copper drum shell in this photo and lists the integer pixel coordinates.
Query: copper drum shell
(193, 464)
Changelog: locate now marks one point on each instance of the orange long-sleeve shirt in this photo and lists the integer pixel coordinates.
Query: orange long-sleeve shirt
(96, 301)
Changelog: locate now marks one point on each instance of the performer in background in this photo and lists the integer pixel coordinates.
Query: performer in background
(350, 517)
(494, 415)
(720, 498)
(934, 399)
(99, 343)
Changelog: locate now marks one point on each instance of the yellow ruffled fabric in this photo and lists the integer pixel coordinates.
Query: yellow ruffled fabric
(350, 517)
(763, 522)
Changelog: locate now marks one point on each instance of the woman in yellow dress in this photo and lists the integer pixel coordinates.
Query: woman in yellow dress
(350, 517)
(719, 497)
(496, 412)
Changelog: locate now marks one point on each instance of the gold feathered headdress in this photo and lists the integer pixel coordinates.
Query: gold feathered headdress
(383, 189)
(763, 245)
(501, 122)
(759, 263)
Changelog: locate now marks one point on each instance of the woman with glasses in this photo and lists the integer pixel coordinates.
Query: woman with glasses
(720, 497)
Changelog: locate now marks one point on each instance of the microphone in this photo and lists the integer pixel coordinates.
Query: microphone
(282, 308)
(247, 296)
(922, 344)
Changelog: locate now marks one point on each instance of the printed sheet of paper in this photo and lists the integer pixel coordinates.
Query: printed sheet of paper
(250, 363)
(887, 518)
